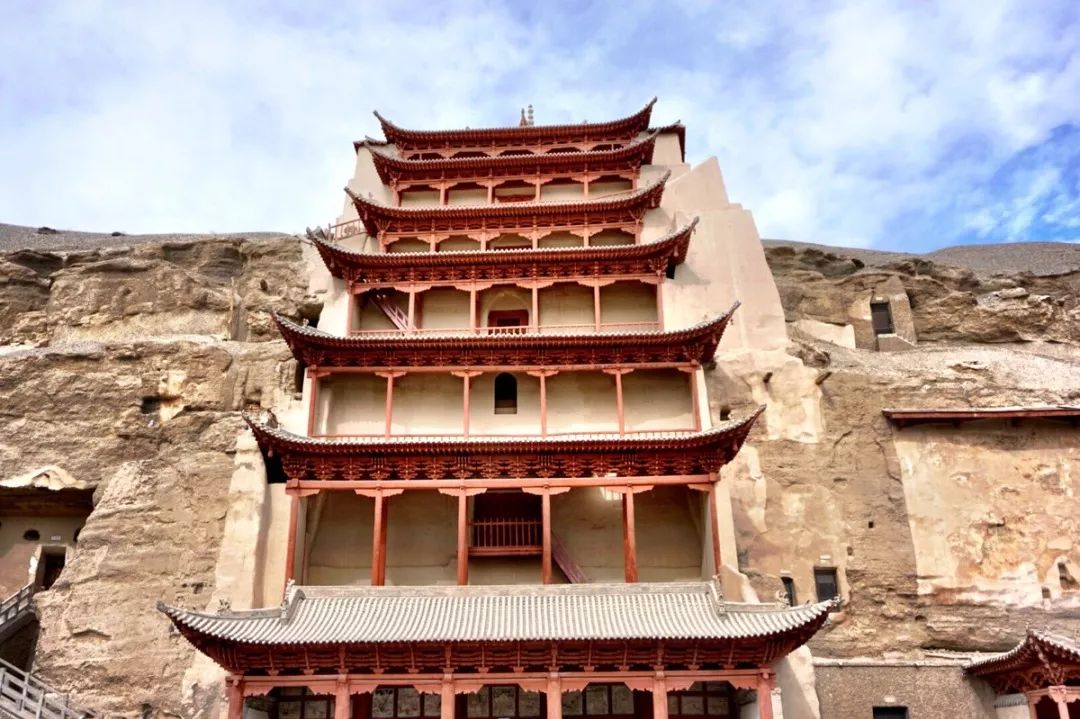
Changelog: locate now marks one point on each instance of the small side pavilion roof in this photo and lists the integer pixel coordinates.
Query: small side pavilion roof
(376, 215)
(1041, 659)
(401, 267)
(455, 460)
(315, 348)
(447, 619)
(517, 134)
(906, 417)
(392, 166)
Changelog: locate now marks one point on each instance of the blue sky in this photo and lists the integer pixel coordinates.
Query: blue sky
(894, 124)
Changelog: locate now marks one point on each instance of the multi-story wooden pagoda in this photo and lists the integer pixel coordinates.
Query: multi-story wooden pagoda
(503, 490)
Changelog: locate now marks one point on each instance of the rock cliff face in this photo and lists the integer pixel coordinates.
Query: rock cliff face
(945, 537)
(127, 368)
(126, 363)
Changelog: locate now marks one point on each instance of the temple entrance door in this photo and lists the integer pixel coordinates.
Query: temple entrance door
(607, 701)
(52, 565)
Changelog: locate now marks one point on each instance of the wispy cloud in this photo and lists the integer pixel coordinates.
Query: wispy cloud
(889, 124)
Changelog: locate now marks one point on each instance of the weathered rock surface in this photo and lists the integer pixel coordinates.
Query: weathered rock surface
(949, 304)
(127, 368)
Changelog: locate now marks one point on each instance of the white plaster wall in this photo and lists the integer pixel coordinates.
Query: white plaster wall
(408, 244)
(582, 402)
(473, 196)
(352, 404)
(428, 403)
(657, 400)
(609, 186)
(610, 238)
(566, 304)
(443, 308)
(629, 303)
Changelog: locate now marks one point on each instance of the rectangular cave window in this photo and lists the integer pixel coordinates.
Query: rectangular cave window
(825, 583)
(890, 713)
(789, 589)
(881, 318)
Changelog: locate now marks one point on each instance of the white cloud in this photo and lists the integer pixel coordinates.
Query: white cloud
(832, 121)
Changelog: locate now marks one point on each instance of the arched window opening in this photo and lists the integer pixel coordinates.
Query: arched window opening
(506, 394)
(31, 535)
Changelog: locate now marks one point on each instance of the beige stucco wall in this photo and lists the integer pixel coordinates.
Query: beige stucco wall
(630, 304)
(19, 557)
(994, 511)
(657, 400)
(929, 691)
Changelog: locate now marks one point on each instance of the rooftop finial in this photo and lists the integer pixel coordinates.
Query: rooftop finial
(523, 122)
(531, 117)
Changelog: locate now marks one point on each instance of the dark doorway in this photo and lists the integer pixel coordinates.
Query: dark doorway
(506, 394)
(881, 318)
(53, 564)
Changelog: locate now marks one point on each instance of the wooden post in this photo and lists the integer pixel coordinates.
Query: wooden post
(1059, 695)
(236, 698)
(442, 194)
(764, 697)
(619, 403)
(596, 306)
(491, 192)
(714, 529)
(313, 379)
(543, 404)
(554, 696)
(462, 541)
(695, 399)
(412, 310)
(659, 697)
(390, 377)
(467, 383)
(535, 309)
(629, 536)
(545, 561)
(472, 309)
(1032, 711)
(447, 697)
(290, 549)
(342, 699)
(378, 542)
(660, 301)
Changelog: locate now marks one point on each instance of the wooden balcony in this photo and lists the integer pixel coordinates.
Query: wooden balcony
(506, 537)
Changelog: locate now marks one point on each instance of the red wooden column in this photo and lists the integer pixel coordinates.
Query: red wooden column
(620, 412)
(695, 396)
(714, 526)
(659, 696)
(378, 533)
(466, 376)
(629, 537)
(764, 696)
(554, 696)
(545, 557)
(236, 697)
(596, 306)
(390, 377)
(290, 548)
(660, 301)
(545, 515)
(463, 539)
(447, 696)
(412, 308)
(342, 699)
(542, 375)
(313, 400)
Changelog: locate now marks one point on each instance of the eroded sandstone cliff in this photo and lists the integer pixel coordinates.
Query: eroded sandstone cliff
(128, 367)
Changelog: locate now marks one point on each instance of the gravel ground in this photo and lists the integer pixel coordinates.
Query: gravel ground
(1039, 258)
(16, 237)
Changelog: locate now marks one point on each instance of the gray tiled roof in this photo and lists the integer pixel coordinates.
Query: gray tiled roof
(1065, 646)
(684, 610)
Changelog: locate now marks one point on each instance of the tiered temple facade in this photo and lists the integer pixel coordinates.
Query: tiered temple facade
(505, 497)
